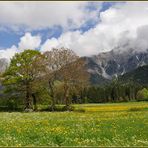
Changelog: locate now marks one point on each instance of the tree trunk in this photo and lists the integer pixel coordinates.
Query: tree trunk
(113, 95)
(66, 97)
(52, 96)
(66, 101)
(34, 102)
(28, 102)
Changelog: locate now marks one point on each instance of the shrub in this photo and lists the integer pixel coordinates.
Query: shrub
(142, 95)
(11, 104)
(138, 109)
(68, 108)
(79, 110)
(135, 109)
(59, 108)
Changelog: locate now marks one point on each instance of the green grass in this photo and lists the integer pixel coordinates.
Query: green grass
(100, 125)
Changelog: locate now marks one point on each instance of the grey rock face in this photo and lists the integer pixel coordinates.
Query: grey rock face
(111, 64)
(3, 64)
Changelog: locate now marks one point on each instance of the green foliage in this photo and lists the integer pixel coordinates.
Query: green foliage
(58, 108)
(68, 108)
(138, 109)
(12, 104)
(21, 67)
(116, 91)
(80, 110)
(58, 77)
(42, 95)
(23, 76)
(142, 95)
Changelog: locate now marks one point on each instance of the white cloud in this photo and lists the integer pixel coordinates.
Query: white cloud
(80, 43)
(9, 52)
(29, 42)
(36, 15)
(26, 42)
(119, 25)
(49, 44)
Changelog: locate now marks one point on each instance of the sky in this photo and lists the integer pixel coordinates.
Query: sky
(87, 28)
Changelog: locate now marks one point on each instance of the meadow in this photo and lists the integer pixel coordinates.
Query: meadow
(116, 124)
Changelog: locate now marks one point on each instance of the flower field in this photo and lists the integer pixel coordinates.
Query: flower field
(118, 124)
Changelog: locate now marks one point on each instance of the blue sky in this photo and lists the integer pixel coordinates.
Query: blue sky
(88, 28)
(9, 37)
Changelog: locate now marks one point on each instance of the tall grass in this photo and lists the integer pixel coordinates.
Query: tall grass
(90, 128)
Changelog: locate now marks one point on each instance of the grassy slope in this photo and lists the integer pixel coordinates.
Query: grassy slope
(100, 125)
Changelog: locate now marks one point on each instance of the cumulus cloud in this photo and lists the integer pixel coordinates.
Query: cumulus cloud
(9, 52)
(29, 42)
(82, 44)
(38, 15)
(140, 42)
(121, 24)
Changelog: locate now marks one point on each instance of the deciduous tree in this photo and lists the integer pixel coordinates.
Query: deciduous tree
(22, 76)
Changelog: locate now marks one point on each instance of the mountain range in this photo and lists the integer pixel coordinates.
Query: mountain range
(139, 75)
(105, 66)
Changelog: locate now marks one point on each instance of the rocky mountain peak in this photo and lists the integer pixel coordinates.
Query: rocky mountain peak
(116, 62)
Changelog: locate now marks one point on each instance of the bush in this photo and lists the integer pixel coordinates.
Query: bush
(68, 108)
(135, 109)
(59, 108)
(138, 109)
(11, 104)
(81, 110)
(142, 95)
